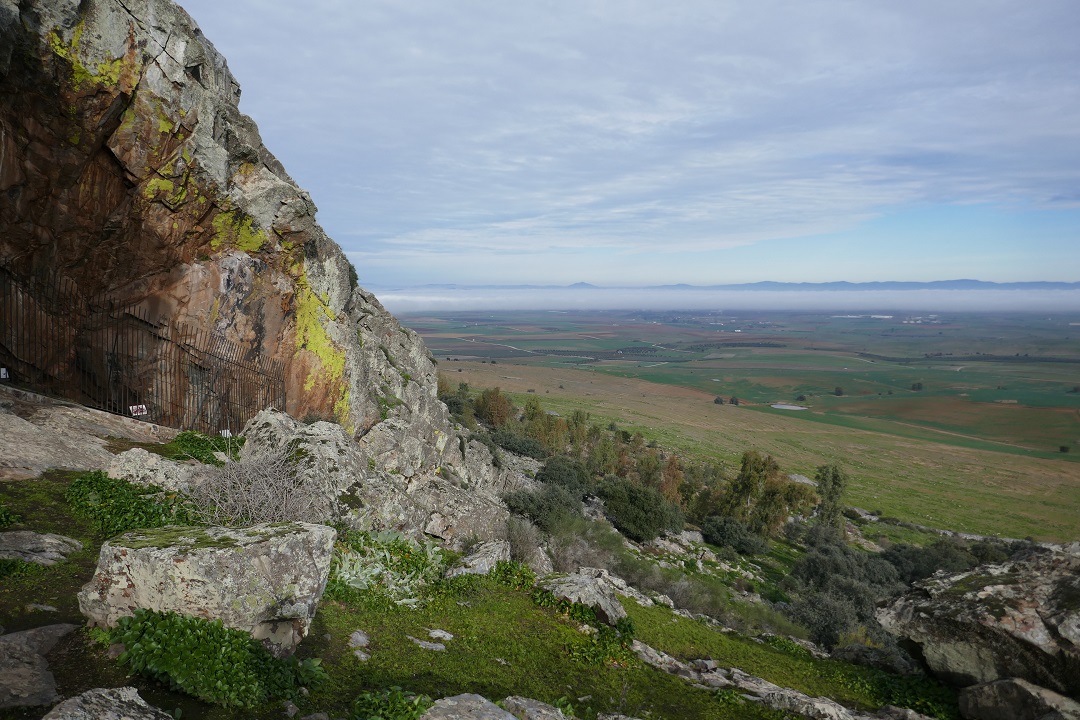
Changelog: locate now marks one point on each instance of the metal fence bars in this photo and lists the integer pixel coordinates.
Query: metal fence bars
(116, 357)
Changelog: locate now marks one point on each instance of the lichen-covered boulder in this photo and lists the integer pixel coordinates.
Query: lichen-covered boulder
(1017, 619)
(265, 580)
(140, 467)
(589, 591)
(370, 495)
(107, 704)
(482, 559)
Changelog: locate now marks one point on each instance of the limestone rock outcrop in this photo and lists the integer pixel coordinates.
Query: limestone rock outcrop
(107, 704)
(368, 495)
(127, 166)
(1018, 619)
(265, 580)
(466, 707)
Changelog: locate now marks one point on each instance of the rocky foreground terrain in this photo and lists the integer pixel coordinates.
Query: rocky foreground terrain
(126, 166)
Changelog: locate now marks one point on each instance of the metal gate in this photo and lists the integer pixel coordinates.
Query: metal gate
(116, 357)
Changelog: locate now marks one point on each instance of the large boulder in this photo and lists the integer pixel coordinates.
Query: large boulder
(265, 580)
(482, 559)
(368, 495)
(589, 591)
(141, 467)
(1017, 619)
(107, 704)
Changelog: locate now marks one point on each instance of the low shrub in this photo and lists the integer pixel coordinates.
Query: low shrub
(568, 474)
(207, 660)
(544, 507)
(641, 513)
(519, 444)
(724, 531)
(117, 506)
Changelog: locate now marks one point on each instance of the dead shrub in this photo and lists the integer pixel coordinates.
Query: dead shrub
(267, 486)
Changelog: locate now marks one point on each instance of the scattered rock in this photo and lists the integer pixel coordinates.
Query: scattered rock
(32, 607)
(1016, 619)
(707, 675)
(439, 635)
(265, 580)
(438, 647)
(1016, 699)
(466, 707)
(359, 639)
(40, 548)
(25, 678)
(528, 709)
(107, 704)
(141, 467)
(589, 591)
(482, 559)
(290, 708)
(539, 561)
(361, 655)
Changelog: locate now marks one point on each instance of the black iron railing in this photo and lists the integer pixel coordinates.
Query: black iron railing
(117, 357)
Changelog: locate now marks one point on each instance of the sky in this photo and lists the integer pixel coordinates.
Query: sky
(705, 142)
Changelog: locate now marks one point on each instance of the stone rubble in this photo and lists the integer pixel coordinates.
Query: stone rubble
(466, 707)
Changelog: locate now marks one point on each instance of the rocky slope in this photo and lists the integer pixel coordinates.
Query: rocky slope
(126, 165)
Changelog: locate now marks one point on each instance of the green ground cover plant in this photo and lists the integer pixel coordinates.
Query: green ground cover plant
(116, 506)
(204, 659)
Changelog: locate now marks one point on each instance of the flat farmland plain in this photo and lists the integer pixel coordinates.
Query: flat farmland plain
(978, 447)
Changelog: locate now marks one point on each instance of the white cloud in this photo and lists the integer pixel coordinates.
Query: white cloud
(428, 129)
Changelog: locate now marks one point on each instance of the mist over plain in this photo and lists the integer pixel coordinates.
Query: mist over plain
(412, 300)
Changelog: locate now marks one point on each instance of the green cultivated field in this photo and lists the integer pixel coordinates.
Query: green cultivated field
(964, 421)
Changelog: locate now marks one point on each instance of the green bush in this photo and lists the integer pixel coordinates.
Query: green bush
(566, 473)
(7, 518)
(638, 512)
(519, 444)
(205, 659)
(724, 531)
(117, 506)
(544, 507)
(13, 567)
(391, 704)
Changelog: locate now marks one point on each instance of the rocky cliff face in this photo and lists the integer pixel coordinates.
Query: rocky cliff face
(1019, 619)
(126, 165)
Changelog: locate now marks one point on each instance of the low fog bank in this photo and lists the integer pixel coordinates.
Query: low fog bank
(411, 300)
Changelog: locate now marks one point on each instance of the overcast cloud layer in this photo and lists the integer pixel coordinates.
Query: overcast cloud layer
(624, 143)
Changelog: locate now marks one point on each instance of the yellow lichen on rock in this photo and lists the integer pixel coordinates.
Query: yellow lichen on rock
(236, 229)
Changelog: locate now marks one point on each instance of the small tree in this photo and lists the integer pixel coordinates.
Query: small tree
(733, 401)
(831, 483)
(719, 400)
(838, 391)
